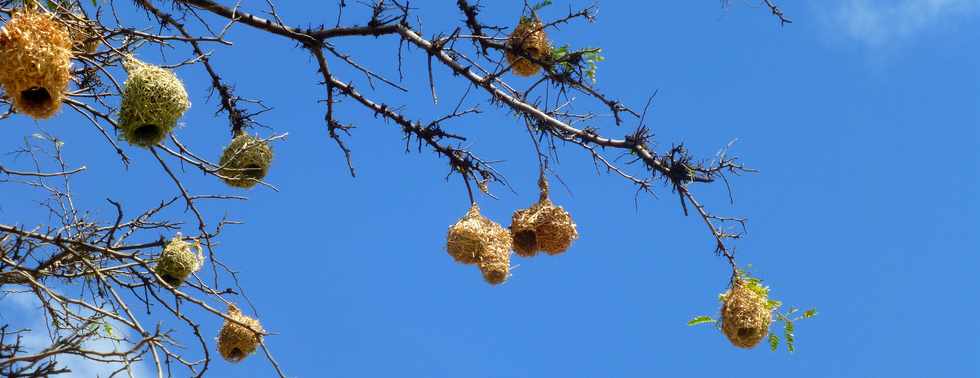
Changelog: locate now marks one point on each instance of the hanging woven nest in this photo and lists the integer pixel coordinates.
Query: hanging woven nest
(178, 261)
(245, 161)
(35, 62)
(475, 239)
(152, 101)
(529, 38)
(542, 227)
(235, 342)
(745, 317)
(82, 32)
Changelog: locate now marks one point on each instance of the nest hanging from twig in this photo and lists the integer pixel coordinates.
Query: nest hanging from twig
(152, 101)
(84, 37)
(475, 239)
(245, 161)
(745, 316)
(542, 227)
(528, 38)
(235, 342)
(35, 62)
(178, 261)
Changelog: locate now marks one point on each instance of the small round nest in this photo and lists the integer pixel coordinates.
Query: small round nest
(235, 342)
(475, 239)
(245, 161)
(35, 56)
(152, 101)
(529, 38)
(84, 37)
(178, 261)
(542, 227)
(745, 318)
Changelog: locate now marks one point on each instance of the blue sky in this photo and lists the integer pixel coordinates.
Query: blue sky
(861, 116)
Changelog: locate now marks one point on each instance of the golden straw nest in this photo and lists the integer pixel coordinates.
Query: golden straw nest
(236, 342)
(245, 161)
(475, 239)
(178, 261)
(542, 227)
(528, 37)
(35, 62)
(745, 318)
(152, 101)
(83, 34)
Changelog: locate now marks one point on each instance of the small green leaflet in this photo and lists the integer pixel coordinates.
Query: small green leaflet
(788, 334)
(810, 313)
(542, 4)
(773, 342)
(701, 320)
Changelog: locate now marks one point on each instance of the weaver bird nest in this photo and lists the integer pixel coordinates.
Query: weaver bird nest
(83, 34)
(475, 239)
(152, 101)
(529, 38)
(542, 227)
(178, 261)
(235, 342)
(35, 62)
(745, 316)
(245, 161)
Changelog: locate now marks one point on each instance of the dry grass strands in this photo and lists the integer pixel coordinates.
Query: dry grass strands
(542, 227)
(235, 342)
(528, 37)
(245, 161)
(152, 101)
(745, 318)
(84, 37)
(475, 239)
(35, 62)
(178, 261)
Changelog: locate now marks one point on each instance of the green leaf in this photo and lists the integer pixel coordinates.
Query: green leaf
(773, 342)
(701, 320)
(542, 4)
(809, 313)
(788, 334)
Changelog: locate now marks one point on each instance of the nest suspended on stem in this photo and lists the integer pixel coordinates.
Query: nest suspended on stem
(235, 342)
(475, 239)
(529, 38)
(152, 101)
(35, 62)
(178, 261)
(542, 227)
(745, 316)
(245, 161)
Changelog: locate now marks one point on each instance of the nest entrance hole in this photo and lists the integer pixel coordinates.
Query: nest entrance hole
(173, 281)
(236, 354)
(745, 332)
(147, 134)
(526, 238)
(36, 97)
(253, 171)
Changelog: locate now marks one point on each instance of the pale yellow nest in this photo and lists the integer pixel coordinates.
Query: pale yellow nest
(178, 261)
(542, 227)
(745, 317)
(475, 239)
(152, 101)
(35, 62)
(528, 37)
(235, 342)
(245, 161)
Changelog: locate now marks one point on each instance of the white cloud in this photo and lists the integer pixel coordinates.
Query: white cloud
(27, 314)
(880, 22)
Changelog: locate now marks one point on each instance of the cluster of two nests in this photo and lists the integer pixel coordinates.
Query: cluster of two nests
(238, 337)
(475, 239)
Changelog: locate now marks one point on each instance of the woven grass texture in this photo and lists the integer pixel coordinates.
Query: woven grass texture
(153, 100)
(475, 239)
(245, 161)
(745, 318)
(178, 261)
(35, 62)
(542, 227)
(528, 37)
(236, 342)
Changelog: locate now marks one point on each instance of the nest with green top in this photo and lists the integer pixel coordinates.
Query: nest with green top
(35, 62)
(746, 313)
(475, 239)
(246, 161)
(178, 261)
(153, 99)
(529, 39)
(237, 341)
(542, 227)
